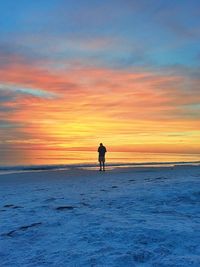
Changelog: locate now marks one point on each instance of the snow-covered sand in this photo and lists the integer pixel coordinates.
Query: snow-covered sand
(123, 217)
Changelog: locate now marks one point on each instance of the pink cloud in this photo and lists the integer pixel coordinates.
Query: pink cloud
(138, 106)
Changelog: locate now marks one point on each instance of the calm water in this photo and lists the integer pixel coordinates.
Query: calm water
(74, 157)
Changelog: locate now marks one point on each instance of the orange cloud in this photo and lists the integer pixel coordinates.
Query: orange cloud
(141, 111)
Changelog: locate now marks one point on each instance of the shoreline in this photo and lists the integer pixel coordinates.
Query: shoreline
(90, 166)
(92, 172)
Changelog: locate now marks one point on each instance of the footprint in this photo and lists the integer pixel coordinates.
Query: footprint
(84, 204)
(41, 189)
(12, 206)
(21, 228)
(17, 207)
(161, 178)
(65, 208)
(8, 206)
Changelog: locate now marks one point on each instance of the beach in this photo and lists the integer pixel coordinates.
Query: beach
(126, 216)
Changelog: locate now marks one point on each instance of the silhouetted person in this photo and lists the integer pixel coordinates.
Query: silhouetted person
(102, 151)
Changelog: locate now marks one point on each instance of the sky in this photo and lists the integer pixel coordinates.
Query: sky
(77, 73)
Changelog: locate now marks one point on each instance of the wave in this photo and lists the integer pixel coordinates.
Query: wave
(30, 168)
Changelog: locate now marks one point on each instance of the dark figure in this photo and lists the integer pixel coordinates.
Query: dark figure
(102, 151)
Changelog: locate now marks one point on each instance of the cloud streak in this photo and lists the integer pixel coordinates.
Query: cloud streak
(103, 102)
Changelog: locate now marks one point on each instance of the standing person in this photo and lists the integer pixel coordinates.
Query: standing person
(102, 151)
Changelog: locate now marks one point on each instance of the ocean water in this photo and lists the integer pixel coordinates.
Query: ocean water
(61, 157)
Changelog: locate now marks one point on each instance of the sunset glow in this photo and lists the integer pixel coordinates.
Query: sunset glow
(76, 73)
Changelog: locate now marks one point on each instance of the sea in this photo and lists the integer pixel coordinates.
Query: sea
(51, 160)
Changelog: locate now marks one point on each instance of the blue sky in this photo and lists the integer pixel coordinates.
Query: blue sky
(152, 33)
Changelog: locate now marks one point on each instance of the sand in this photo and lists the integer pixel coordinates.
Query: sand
(123, 217)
